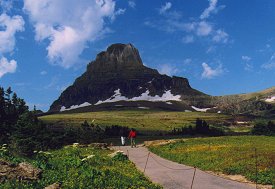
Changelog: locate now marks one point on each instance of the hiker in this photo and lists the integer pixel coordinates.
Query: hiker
(132, 137)
(123, 135)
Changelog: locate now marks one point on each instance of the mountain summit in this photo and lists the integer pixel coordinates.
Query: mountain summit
(118, 56)
(118, 74)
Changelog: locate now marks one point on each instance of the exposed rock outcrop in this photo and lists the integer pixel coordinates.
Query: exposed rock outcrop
(23, 171)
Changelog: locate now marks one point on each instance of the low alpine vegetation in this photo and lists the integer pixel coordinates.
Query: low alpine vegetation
(250, 156)
(80, 167)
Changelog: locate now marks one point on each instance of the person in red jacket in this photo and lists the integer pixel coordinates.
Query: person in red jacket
(132, 137)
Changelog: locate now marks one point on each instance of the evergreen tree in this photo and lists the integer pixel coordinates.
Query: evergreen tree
(26, 136)
(11, 107)
(271, 127)
(199, 126)
(8, 93)
(2, 105)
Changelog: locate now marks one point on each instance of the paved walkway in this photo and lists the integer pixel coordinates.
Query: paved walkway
(172, 175)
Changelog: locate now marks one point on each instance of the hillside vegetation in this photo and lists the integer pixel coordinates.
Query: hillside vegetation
(142, 120)
(81, 168)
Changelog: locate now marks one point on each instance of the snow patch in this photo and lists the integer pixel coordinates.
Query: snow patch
(143, 108)
(63, 108)
(200, 109)
(169, 103)
(271, 99)
(242, 122)
(166, 96)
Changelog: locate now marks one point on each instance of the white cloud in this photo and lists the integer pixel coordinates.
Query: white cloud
(195, 29)
(9, 25)
(7, 66)
(248, 67)
(187, 61)
(265, 49)
(69, 25)
(220, 36)
(43, 72)
(167, 69)
(209, 73)
(204, 28)
(53, 83)
(132, 4)
(270, 64)
(211, 9)
(117, 13)
(165, 7)
(211, 49)
(6, 5)
(246, 58)
(188, 39)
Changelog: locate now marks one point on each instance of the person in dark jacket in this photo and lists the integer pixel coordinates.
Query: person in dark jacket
(132, 136)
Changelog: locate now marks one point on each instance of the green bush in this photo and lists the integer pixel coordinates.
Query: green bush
(27, 135)
(120, 157)
(262, 127)
(201, 127)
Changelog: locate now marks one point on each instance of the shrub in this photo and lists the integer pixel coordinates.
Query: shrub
(28, 134)
(115, 130)
(88, 133)
(201, 127)
(262, 127)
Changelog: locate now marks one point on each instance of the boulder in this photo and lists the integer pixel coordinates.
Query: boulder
(23, 171)
(112, 155)
(54, 186)
(99, 145)
(28, 171)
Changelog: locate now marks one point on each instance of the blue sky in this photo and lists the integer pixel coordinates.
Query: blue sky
(221, 46)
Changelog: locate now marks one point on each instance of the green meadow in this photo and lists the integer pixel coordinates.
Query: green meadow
(241, 155)
(142, 120)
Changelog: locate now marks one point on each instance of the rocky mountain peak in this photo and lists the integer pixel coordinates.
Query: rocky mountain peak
(118, 74)
(118, 56)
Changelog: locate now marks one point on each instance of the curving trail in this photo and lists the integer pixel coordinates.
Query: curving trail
(172, 175)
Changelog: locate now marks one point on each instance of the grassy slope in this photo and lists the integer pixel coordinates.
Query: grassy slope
(141, 120)
(65, 166)
(260, 94)
(230, 155)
